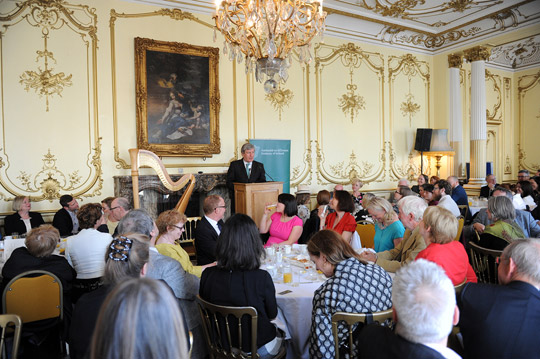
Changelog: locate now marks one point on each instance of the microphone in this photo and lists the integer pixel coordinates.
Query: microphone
(273, 180)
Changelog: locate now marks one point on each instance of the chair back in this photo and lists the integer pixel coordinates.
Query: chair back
(459, 287)
(366, 231)
(463, 209)
(461, 222)
(187, 239)
(6, 322)
(484, 263)
(143, 158)
(351, 319)
(34, 295)
(219, 324)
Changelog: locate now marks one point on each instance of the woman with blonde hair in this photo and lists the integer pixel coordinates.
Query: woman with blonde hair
(439, 228)
(22, 221)
(352, 286)
(388, 228)
(171, 226)
(140, 319)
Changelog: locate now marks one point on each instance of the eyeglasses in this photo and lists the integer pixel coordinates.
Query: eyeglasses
(499, 260)
(112, 208)
(220, 207)
(180, 228)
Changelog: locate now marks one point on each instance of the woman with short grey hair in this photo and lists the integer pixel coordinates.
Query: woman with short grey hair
(504, 230)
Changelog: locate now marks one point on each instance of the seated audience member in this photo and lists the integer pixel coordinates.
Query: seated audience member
(65, 220)
(458, 192)
(411, 210)
(284, 225)
(426, 192)
(487, 191)
(525, 190)
(441, 193)
(357, 195)
(363, 214)
(526, 222)
(425, 311)
(341, 220)
(504, 229)
(352, 286)
(126, 257)
(209, 228)
(85, 251)
(402, 191)
(302, 202)
(388, 229)
(439, 228)
(422, 179)
(523, 175)
(502, 321)
(237, 280)
(312, 225)
(184, 285)
(171, 226)
(106, 205)
(38, 255)
(22, 221)
(140, 319)
(433, 180)
(120, 207)
(404, 182)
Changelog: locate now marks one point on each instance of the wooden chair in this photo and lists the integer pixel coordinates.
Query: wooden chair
(187, 240)
(463, 209)
(351, 319)
(459, 287)
(35, 295)
(484, 263)
(461, 222)
(223, 330)
(7, 321)
(366, 231)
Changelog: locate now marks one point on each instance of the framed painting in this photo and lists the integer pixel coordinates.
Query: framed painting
(177, 98)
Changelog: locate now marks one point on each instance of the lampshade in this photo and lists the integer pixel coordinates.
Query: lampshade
(439, 142)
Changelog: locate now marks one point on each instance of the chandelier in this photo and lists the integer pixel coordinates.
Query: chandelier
(266, 31)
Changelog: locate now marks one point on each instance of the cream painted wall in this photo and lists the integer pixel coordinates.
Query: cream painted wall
(91, 127)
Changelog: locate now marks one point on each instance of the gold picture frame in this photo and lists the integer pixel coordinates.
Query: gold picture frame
(177, 98)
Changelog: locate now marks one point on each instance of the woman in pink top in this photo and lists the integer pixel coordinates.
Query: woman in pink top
(284, 225)
(439, 228)
(341, 221)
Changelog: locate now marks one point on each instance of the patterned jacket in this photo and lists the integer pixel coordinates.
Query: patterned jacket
(354, 288)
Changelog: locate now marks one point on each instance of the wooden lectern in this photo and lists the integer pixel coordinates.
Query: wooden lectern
(251, 198)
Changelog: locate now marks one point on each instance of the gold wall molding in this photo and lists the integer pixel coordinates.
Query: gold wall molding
(174, 14)
(351, 57)
(280, 99)
(409, 66)
(455, 60)
(526, 84)
(494, 115)
(507, 166)
(46, 183)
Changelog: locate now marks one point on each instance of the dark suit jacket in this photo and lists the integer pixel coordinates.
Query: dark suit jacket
(205, 242)
(62, 221)
(378, 342)
(14, 224)
(500, 321)
(237, 173)
(459, 195)
(485, 191)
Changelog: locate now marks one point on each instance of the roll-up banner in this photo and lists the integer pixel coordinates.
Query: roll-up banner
(275, 155)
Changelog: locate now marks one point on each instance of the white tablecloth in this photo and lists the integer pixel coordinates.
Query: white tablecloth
(294, 312)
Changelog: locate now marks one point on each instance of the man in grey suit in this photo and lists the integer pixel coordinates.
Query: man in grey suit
(184, 285)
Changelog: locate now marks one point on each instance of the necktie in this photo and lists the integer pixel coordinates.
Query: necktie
(248, 169)
(220, 225)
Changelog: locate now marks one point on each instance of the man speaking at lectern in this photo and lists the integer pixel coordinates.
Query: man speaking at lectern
(245, 170)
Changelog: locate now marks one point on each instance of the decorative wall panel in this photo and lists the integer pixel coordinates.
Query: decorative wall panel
(529, 121)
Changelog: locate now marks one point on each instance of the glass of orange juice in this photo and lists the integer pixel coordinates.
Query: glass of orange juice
(287, 274)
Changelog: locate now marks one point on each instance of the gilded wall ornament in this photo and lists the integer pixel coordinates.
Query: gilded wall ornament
(496, 80)
(455, 60)
(409, 108)
(279, 99)
(477, 53)
(351, 103)
(507, 166)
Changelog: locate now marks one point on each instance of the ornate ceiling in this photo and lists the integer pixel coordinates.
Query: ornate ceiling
(512, 27)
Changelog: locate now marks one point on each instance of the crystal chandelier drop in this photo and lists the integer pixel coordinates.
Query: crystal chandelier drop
(266, 31)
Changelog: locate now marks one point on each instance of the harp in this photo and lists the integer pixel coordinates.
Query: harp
(140, 158)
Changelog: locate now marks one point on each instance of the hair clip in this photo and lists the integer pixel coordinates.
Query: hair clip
(120, 247)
